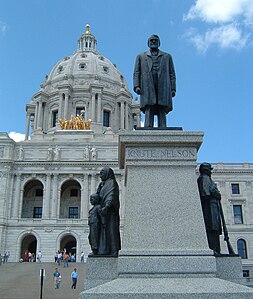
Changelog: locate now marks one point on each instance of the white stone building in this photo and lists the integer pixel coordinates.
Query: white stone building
(235, 182)
(46, 180)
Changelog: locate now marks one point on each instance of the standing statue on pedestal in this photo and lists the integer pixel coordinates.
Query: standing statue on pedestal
(106, 216)
(154, 80)
(212, 210)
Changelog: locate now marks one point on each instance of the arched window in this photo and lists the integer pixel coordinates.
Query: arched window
(106, 118)
(54, 118)
(32, 200)
(242, 249)
(70, 200)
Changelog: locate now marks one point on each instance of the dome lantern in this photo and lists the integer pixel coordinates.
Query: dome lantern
(87, 41)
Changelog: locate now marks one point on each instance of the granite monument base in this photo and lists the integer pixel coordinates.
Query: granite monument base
(229, 267)
(169, 288)
(100, 270)
(164, 248)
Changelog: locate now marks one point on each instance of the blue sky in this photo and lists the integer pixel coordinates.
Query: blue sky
(211, 43)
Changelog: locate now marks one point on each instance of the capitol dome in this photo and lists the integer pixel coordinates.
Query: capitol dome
(86, 65)
(84, 83)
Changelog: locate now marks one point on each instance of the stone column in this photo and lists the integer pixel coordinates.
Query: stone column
(84, 197)
(36, 116)
(93, 107)
(46, 198)
(138, 120)
(27, 126)
(58, 203)
(11, 193)
(122, 116)
(126, 115)
(40, 115)
(66, 105)
(17, 198)
(60, 107)
(99, 112)
(54, 200)
(93, 183)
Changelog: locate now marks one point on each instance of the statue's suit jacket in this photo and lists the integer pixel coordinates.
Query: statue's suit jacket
(166, 80)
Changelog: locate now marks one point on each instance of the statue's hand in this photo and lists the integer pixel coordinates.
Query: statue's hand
(173, 93)
(103, 211)
(137, 90)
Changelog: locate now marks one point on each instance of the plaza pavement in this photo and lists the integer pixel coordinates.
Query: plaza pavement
(22, 281)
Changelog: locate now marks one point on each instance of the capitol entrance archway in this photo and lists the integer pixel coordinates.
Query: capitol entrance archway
(68, 242)
(29, 243)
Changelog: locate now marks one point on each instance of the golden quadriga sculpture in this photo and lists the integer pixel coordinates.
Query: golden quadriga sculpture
(75, 123)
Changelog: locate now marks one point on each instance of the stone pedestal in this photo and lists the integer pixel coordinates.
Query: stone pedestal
(100, 270)
(229, 268)
(164, 248)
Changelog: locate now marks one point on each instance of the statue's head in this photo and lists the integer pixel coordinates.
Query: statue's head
(205, 168)
(106, 173)
(154, 41)
(94, 199)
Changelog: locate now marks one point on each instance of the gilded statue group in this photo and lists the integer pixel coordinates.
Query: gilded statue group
(75, 123)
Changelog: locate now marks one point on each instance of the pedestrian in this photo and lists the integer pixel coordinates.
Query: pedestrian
(57, 278)
(72, 258)
(65, 260)
(74, 276)
(5, 259)
(59, 256)
(82, 257)
(26, 256)
(39, 256)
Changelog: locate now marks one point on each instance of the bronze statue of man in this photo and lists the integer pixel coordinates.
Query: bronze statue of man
(210, 201)
(154, 80)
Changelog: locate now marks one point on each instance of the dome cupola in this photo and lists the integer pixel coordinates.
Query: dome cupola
(87, 41)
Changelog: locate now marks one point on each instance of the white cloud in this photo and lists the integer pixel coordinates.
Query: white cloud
(216, 10)
(3, 28)
(17, 136)
(229, 23)
(227, 36)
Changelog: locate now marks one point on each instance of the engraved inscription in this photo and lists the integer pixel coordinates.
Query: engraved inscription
(160, 153)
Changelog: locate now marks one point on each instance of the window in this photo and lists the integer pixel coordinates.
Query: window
(241, 248)
(106, 119)
(106, 69)
(82, 66)
(55, 118)
(60, 68)
(39, 192)
(73, 192)
(37, 212)
(237, 209)
(245, 273)
(80, 111)
(235, 189)
(73, 212)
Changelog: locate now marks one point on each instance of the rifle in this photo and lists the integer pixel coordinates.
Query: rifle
(225, 231)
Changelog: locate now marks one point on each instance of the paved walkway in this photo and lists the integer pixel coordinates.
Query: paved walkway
(22, 281)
